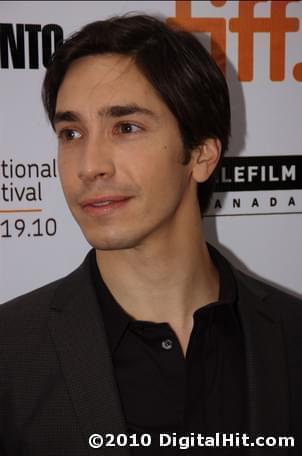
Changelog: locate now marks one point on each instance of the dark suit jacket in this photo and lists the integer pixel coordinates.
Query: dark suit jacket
(57, 385)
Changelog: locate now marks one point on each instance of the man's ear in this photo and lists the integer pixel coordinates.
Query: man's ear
(205, 158)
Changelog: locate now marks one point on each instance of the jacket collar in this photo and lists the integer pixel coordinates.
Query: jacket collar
(79, 336)
(266, 368)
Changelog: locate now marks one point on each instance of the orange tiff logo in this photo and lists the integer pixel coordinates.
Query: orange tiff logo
(277, 25)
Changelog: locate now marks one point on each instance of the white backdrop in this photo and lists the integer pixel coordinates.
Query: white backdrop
(260, 232)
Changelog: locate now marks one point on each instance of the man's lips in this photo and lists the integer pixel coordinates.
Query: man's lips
(101, 200)
(103, 204)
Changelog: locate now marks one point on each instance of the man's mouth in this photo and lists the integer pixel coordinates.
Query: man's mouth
(104, 204)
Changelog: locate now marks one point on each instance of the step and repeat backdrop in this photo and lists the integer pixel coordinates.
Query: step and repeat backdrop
(255, 217)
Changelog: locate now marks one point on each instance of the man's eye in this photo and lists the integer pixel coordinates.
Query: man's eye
(125, 128)
(69, 135)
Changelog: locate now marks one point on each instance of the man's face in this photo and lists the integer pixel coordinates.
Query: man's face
(120, 153)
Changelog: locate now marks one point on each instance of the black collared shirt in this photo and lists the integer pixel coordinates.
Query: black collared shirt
(162, 391)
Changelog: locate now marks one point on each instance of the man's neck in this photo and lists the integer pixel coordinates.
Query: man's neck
(165, 282)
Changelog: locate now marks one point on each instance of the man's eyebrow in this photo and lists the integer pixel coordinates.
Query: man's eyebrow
(65, 116)
(125, 110)
(107, 111)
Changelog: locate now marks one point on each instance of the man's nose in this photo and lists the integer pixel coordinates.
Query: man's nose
(96, 160)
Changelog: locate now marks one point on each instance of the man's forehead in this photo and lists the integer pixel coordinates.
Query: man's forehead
(113, 84)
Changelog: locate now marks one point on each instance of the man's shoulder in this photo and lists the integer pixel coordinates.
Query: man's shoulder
(25, 321)
(256, 290)
(285, 303)
(39, 297)
(35, 305)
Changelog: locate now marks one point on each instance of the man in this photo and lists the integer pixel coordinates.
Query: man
(155, 335)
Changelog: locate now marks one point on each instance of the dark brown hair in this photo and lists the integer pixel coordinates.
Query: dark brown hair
(174, 62)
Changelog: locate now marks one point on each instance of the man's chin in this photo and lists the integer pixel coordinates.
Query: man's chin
(111, 243)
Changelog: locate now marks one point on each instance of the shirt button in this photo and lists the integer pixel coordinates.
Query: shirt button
(167, 344)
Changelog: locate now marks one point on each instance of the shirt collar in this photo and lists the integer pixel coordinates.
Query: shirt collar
(227, 282)
(116, 319)
(227, 285)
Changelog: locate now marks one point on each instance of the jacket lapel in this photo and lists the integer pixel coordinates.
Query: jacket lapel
(79, 337)
(266, 365)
